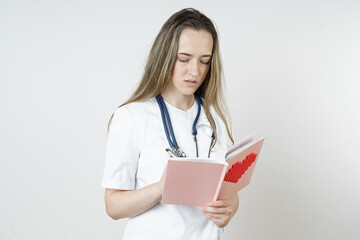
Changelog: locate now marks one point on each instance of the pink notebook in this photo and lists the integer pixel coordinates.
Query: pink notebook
(198, 181)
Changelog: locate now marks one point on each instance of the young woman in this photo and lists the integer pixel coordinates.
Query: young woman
(183, 72)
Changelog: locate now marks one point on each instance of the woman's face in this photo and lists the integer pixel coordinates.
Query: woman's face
(192, 63)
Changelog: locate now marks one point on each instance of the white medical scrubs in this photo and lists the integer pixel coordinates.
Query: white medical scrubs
(136, 157)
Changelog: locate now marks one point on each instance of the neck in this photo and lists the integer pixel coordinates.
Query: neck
(183, 102)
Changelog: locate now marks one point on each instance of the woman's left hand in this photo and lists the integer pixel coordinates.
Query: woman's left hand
(221, 211)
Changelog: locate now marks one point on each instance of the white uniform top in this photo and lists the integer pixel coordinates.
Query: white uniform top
(136, 157)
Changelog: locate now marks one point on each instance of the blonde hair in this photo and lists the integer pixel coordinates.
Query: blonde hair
(162, 58)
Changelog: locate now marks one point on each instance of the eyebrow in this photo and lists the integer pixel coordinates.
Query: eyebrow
(189, 55)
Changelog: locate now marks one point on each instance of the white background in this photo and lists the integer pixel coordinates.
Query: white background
(292, 72)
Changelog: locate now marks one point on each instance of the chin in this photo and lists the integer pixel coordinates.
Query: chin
(188, 92)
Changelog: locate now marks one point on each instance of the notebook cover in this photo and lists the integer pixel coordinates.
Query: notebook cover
(192, 182)
(240, 169)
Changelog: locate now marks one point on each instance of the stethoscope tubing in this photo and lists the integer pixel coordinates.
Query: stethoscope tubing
(166, 122)
(175, 149)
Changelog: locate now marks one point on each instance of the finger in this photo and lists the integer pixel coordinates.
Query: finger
(219, 221)
(208, 216)
(214, 217)
(218, 210)
(218, 215)
(225, 214)
(219, 203)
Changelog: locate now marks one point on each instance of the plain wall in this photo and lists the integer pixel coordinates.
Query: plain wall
(292, 73)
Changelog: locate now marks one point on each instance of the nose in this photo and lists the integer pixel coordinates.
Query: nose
(194, 69)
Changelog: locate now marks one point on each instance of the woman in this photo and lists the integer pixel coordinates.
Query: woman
(182, 72)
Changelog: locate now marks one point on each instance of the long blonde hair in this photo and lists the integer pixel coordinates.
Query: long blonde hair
(162, 57)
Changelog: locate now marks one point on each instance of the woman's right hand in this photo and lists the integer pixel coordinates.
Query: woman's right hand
(162, 181)
(123, 204)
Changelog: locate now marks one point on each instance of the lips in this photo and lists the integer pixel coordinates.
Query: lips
(190, 83)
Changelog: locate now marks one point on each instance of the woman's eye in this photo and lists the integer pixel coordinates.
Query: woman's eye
(187, 60)
(183, 60)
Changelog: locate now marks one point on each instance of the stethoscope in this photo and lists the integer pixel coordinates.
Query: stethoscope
(174, 149)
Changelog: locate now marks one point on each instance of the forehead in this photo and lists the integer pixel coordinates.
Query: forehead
(195, 42)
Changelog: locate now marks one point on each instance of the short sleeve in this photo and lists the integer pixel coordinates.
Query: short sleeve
(122, 152)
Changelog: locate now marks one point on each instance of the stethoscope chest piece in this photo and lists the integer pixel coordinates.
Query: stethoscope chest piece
(176, 152)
